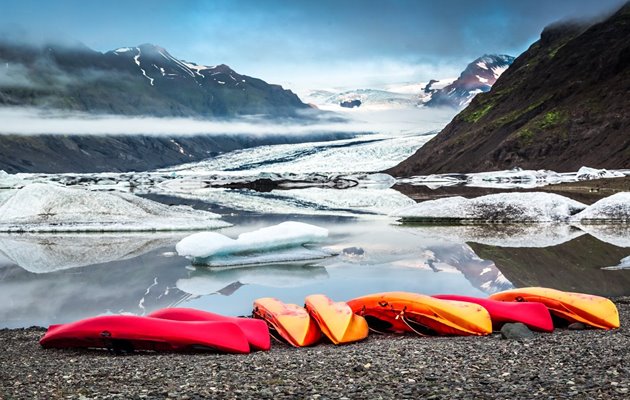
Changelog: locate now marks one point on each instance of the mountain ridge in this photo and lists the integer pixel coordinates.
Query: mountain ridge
(561, 105)
(141, 80)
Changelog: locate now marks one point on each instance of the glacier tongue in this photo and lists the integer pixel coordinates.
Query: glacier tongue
(42, 207)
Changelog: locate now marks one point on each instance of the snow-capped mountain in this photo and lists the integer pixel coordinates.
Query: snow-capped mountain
(142, 80)
(478, 77)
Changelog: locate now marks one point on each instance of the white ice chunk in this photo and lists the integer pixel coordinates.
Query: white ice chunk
(287, 234)
(611, 209)
(587, 173)
(42, 207)
(623, 264)
(501, 207)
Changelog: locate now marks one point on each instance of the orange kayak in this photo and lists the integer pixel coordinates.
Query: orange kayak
(595, 311)
(292, 322)
(411, 312)
(336, 319)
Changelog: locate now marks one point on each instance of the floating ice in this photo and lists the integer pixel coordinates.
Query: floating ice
(494, 208)
(513, 178)
(48, 208)
(611, 209)
(623, 264)
(211, 248)
(586, 173)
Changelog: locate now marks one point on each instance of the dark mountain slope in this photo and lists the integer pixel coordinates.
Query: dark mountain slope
(562, 104)
(143, 80)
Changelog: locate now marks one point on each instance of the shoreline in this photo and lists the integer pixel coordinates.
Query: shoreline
(563, 364)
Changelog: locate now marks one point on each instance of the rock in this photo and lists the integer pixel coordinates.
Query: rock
(516, 331)
(576, 326)
(353, 251)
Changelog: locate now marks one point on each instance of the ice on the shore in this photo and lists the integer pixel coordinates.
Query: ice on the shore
(226, 280)
(611, 209)
(211, 248)
(587, 173)
(623, 264)
(42, 207)
(42, 254)
(494, 208)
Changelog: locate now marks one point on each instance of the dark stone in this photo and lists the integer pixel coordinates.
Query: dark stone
(353, 251)
(516, 331)
(350, 103)
(577, 326)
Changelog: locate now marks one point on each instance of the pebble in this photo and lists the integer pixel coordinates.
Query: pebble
(587, 364)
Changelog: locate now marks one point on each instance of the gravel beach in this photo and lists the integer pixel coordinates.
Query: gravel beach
(585, 364)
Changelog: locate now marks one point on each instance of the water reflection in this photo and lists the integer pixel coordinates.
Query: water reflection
(203, 281)
(52, 279)
(39, 253)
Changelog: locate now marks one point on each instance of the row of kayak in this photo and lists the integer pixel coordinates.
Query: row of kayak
(183, 329)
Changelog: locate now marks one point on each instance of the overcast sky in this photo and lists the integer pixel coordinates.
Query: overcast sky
(304, 44)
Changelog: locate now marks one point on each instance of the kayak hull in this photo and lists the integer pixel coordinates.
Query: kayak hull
(595, 311)
(336, 319)
(128, 332)
(535, 315)
(292, 322)
(255, 330)
(412, 312)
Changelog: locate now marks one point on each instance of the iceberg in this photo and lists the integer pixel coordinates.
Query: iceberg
(611, 209)
(494, 208)
(211, 248)
(587, 173)
(42, 207)
(623, 264)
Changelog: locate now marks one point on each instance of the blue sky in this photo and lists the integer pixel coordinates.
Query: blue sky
(304, 44)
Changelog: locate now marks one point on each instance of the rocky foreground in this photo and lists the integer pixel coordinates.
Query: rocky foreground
(566, 364)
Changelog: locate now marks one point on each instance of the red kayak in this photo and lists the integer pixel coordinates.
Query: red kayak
(128, 333)
(531, 314)
(255, 330)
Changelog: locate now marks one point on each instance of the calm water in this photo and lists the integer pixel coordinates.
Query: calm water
(48, 279)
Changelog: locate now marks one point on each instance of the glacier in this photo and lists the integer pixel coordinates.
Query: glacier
(40, 207)
(494, 208)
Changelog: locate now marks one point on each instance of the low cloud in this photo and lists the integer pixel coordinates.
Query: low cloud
(33, 121)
